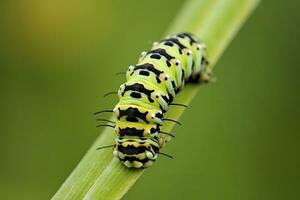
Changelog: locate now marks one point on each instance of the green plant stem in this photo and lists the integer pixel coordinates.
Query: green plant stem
(99, 175)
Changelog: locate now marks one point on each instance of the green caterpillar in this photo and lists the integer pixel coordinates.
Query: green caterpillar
(150, 88)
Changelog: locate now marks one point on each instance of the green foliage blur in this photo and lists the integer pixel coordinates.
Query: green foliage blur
(240, 138)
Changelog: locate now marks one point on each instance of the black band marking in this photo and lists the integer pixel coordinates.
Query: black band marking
(132, 115)
(139, 88)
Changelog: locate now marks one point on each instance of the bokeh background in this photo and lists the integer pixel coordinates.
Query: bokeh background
(240, 138)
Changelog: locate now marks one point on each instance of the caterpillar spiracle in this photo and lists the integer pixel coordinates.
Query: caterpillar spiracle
(150, 87)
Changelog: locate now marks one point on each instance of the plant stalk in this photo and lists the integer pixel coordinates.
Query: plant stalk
(99, 175)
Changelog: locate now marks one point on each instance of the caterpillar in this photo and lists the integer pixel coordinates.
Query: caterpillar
(150, 88)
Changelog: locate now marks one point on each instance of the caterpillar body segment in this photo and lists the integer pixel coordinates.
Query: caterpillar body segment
(197, 56)
(132, 113)
(166, 76)
(150, 94)
(185, 54)
(171, 62)
(151, 86)
(135, 129)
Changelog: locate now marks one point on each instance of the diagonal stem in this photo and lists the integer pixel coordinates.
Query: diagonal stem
(98, 175)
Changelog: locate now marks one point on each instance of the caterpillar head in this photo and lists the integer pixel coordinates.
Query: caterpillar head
(136, 153)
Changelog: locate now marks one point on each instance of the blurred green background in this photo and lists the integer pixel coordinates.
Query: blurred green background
(240, 138)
